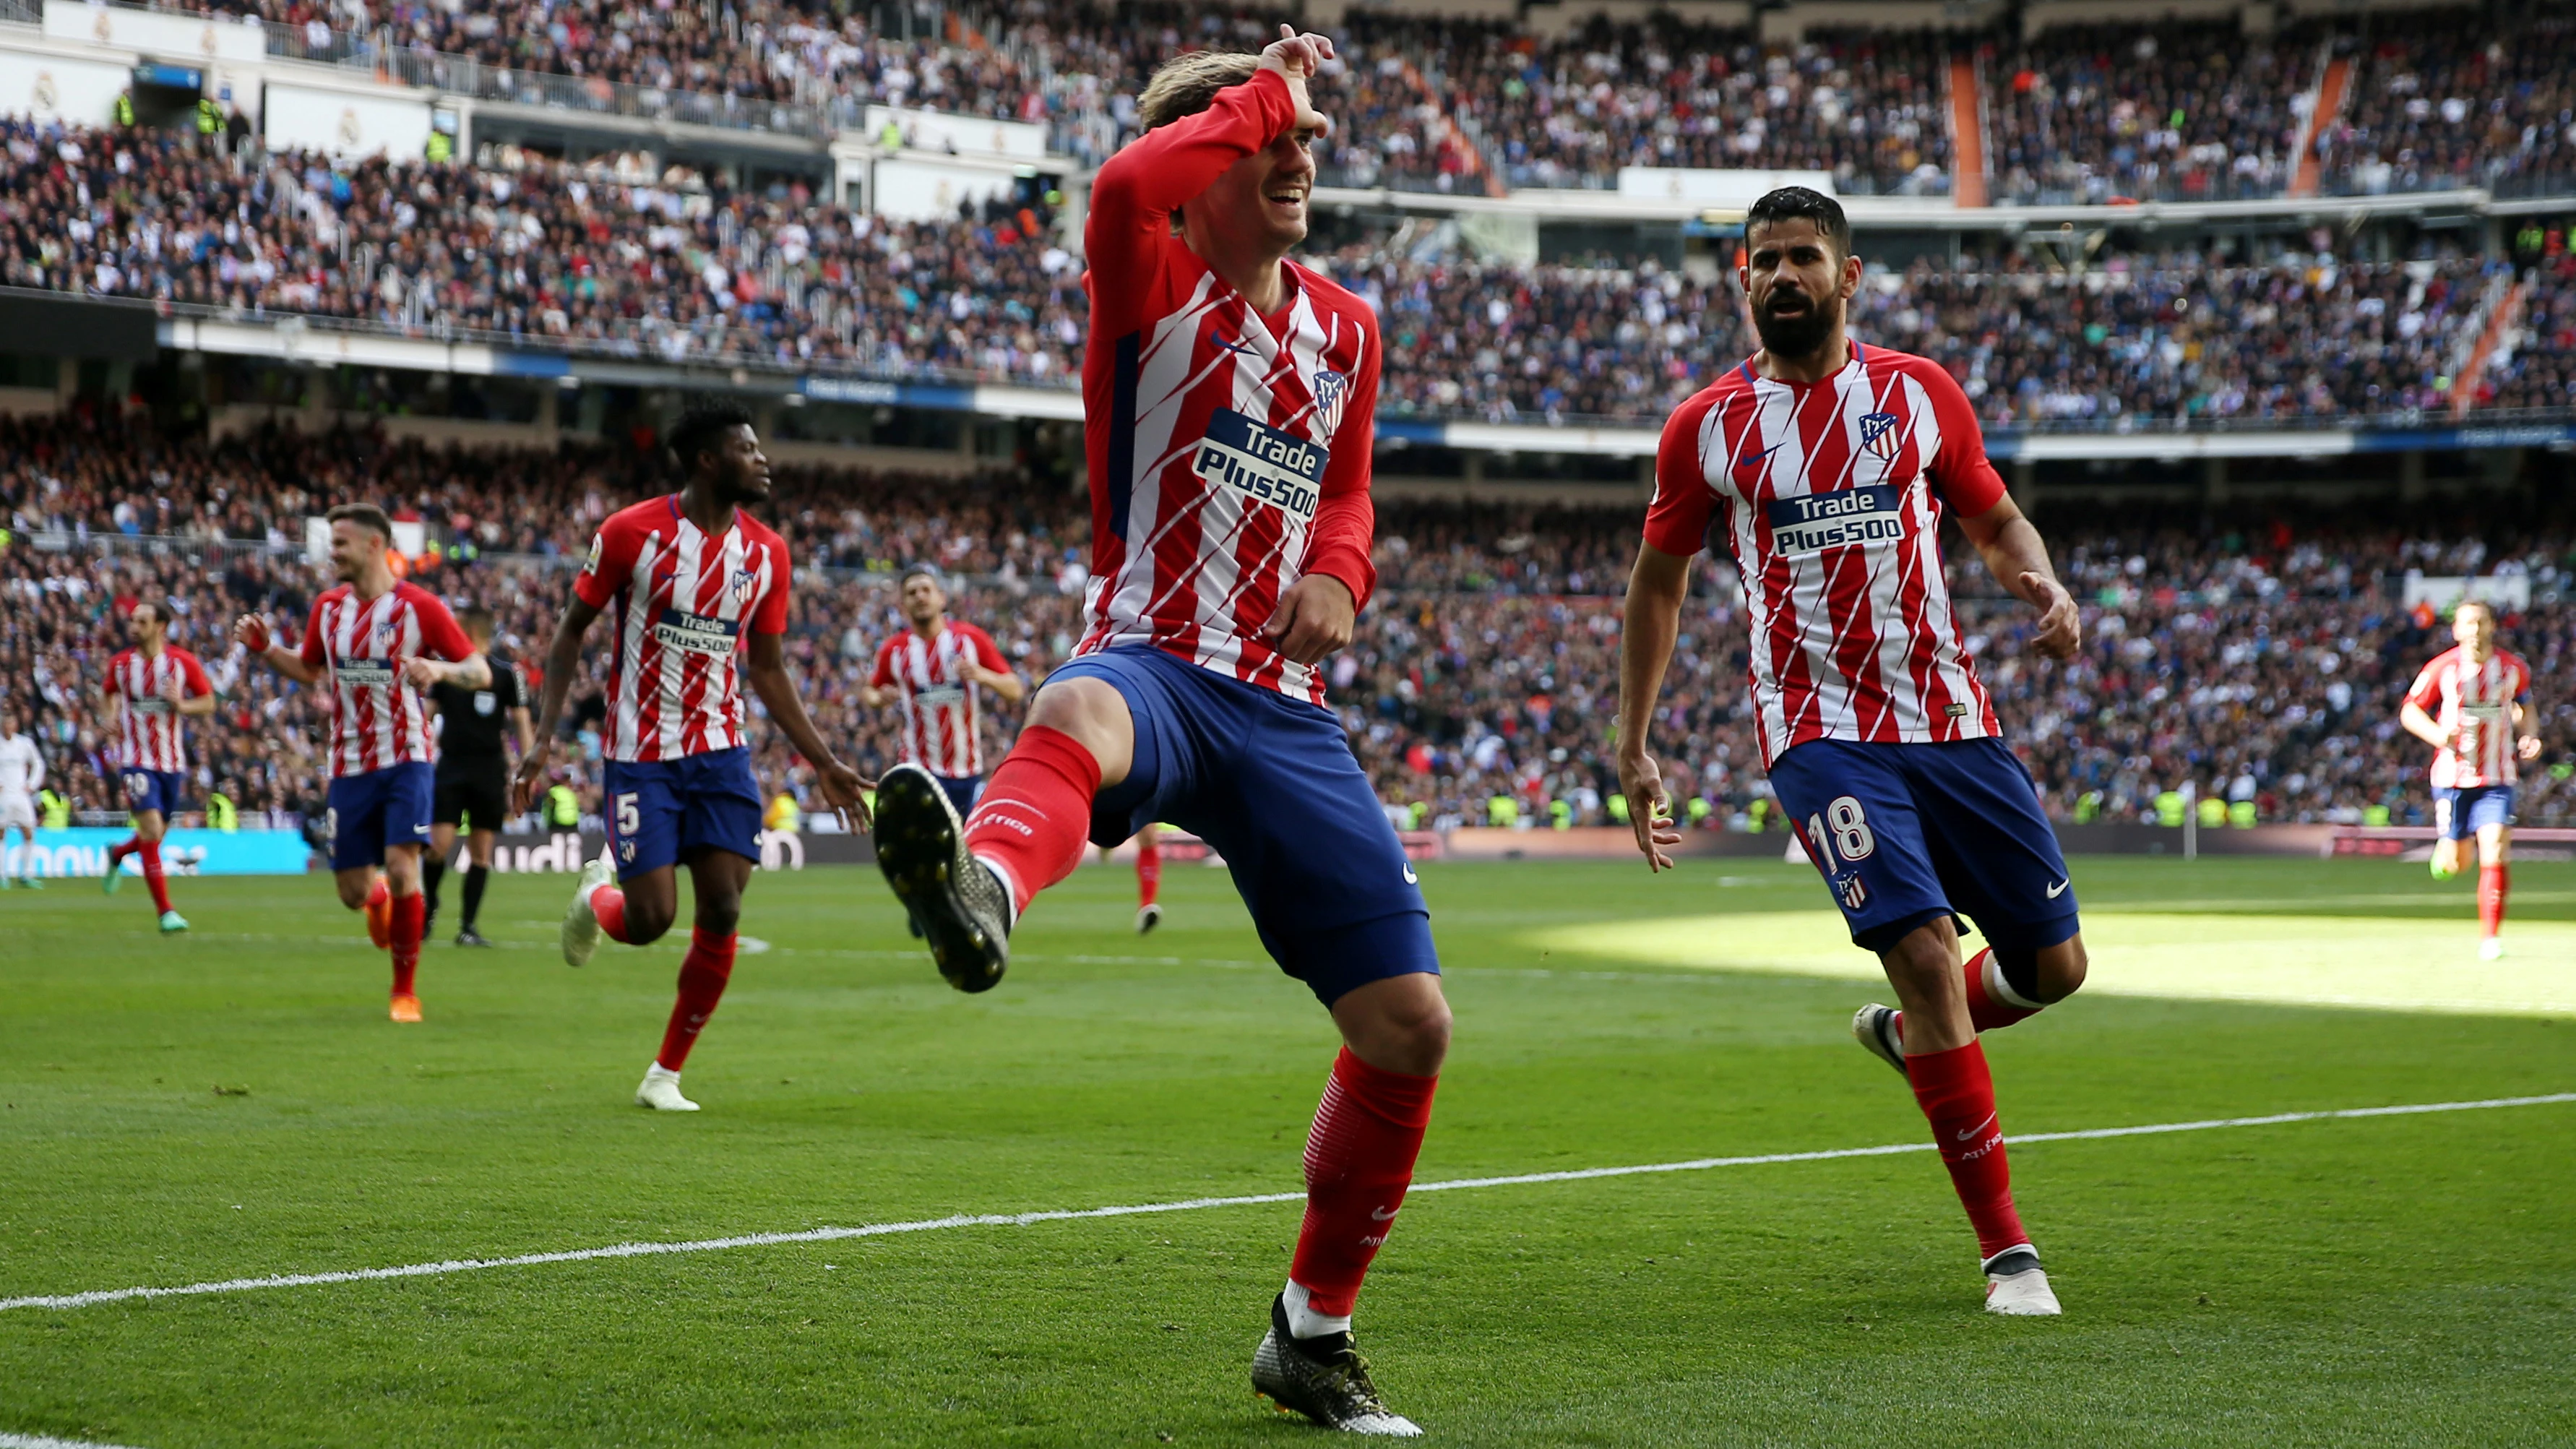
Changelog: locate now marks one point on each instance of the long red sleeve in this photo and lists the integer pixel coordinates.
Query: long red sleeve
(1345, 526)
(1137, 190)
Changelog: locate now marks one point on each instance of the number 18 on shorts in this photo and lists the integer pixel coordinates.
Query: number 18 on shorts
(1908, 833)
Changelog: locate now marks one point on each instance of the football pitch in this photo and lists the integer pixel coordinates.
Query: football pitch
(232, 1105)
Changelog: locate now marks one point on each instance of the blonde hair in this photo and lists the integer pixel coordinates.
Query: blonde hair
(1187, 84)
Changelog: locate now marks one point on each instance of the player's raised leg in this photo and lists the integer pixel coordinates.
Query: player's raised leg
(2495, 872)
(966, 882)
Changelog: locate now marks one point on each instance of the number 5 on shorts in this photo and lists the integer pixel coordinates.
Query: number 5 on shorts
(630, 816)
(1842, 829)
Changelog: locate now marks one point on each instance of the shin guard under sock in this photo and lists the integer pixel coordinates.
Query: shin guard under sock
(150, 850)
(1993, 1001)
(409, 912)
(1149, 872)
(1359, 1161)
(1033, 819)
(703, 974)
(1957, 1095)
(2493, 882)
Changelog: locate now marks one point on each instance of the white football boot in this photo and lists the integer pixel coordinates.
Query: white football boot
(2017, 1287)
(661, 1092)
(580, 923)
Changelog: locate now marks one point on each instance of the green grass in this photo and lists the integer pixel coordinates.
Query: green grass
(2407, 1280)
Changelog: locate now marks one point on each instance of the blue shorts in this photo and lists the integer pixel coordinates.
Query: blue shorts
(2462, 812)
(961, 791)
(378, 809)
(1270, 783)
(660, 810)
(154, 790)
(1906, 834)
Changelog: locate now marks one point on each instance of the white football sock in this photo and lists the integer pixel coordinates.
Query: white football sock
(661, 1071)
(1305, 1322)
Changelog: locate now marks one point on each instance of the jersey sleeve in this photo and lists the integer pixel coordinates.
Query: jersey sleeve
(2426, 692)
(611, 562)
(312, 651)
(505, 687)
(193, 675)
(1677, 521)
(2521, 681)
(1136, 191)
(114, 688)
(883, 674)
(1345, 526)
(987, 653)
(1962, 475)
(440, 638)
(770, 615)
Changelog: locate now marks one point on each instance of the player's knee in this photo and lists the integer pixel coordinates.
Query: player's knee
(1923, 959)
(2058, 971)
(719, 917)
(1092, 711)
(646, 920)
(353, 894)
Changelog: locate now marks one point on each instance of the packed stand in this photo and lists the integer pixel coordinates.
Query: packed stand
(1868, 106)
(2438, 104)
(2535, 365)
(2262, 662)
(2188, 111)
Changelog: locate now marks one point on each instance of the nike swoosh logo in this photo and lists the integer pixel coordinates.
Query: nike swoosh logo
(2058, 889)
(1980, 1127)
(1754, 460)
(1410, 878)
(1384, 1215)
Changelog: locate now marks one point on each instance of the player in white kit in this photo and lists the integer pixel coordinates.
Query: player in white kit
(22, 773)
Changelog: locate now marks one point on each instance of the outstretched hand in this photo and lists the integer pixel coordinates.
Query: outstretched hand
(1297, 57)
(845, 790)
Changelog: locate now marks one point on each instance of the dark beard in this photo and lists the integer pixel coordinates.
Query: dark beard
(1801, 336)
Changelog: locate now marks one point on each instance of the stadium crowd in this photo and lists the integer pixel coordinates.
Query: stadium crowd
(2193, 110)
(2262, 664)
(553, 258)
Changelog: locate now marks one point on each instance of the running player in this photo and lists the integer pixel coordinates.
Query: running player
(378, 643)
(1229, 398)
(472, 790)
(155, 686)
(22, 774)
(933, 671)
(1825, 467)
(691, 575)
(2469, 704)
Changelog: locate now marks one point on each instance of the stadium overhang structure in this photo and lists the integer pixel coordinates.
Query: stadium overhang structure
(1939, 214)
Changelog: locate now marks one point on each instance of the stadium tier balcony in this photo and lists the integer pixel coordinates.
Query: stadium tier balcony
(2438, 105)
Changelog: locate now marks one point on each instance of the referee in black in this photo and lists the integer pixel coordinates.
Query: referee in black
(473, 791)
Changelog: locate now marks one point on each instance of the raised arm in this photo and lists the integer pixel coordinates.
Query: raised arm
(304, 667)
(1136, 191)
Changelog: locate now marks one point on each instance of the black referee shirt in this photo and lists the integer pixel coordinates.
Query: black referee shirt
(477, 721)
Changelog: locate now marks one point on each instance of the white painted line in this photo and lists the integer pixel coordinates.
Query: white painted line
(39, 1441)
(1064, 1215)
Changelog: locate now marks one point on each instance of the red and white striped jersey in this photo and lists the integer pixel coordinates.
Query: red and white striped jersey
(1828, 495)
(378, 720)
(1229, 451)
(685, 601)
(151, 738)
(942, 723)
(2473, 703)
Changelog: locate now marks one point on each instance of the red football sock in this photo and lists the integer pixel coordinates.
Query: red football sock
(1992, 1002)
(1035, 815)
(150, 850)
(1359, 1161)
(410, 913)
(1958, 1095)
(609, 904)
(117, 853)
(703, 974)
(1149, 871)
(2493, 882)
